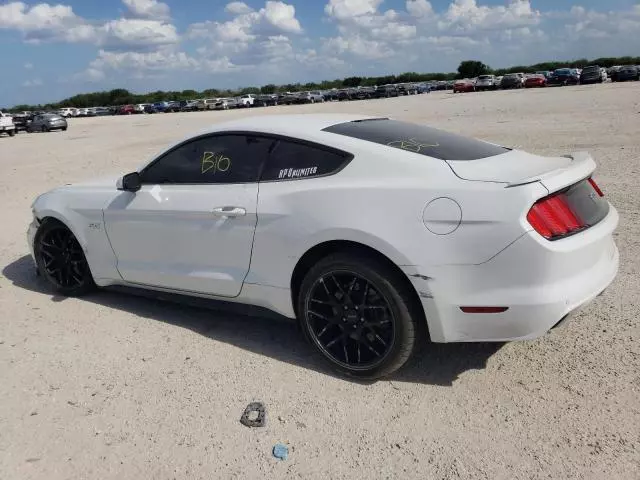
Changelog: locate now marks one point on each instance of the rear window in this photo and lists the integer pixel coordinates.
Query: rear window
(419, 139)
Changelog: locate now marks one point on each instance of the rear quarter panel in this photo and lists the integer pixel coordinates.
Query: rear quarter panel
(378, 200)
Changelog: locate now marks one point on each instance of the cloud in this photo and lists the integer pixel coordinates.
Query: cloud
(590, 24)
(36, 82)
(344, 9)
(419, 8)
(28, 66)
(467, 16)
(148, 9)
(237, 8)
(58, 23)
(42, 22)
(158, 60)
(135, 33)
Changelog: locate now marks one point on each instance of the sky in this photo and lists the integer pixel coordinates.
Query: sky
(51, 51)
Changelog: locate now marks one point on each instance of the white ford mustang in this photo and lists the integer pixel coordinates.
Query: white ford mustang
(364, 229)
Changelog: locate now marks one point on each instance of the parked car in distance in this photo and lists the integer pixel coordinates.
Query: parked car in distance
(591, 74)
(563, 76)
(627, 73)
(364, 93)
(47, 122)
(101, 111)
(226, 104)
(161, 106)
(188, 105)
(535, 81)
(266, 100)
(172, 107)
(486, 82)
(149, 109)
(6, 124)
(126, 110)
(331, 95)
(386, 91)
(288, 98)
(247, 100)
(20, 121)
(346, 94)
(66, 112)
(511, 80)
(406, 89)
(207, 103)
(463, 85)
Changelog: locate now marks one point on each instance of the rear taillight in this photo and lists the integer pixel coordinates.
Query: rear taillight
(553, 218)
(595, 186)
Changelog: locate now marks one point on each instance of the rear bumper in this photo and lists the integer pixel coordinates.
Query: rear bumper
(539, 281)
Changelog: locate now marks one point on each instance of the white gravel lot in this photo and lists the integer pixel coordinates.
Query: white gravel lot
(118, 386)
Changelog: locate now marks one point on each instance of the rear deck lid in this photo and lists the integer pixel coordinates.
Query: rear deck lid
(519, 168)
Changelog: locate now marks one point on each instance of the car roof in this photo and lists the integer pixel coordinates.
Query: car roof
(307, 126)
(295, 125)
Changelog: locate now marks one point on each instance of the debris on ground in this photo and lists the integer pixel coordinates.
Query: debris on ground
(280, 451)
(254, 415)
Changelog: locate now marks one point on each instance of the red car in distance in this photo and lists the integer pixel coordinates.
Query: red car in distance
(127, 110)
(466, 85)
(534, 81)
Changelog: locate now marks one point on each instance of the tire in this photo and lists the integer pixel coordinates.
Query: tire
(378, 310)
(11, 133)
(44, 129)
(61, 261)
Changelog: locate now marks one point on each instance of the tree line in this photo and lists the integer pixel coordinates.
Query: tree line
(467, 69)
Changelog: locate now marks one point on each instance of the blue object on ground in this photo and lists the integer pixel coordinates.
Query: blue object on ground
(280, 451)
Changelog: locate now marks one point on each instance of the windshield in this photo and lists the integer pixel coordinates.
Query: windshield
(563, 71)
(485, 77)
(591, 69)
(416, 138)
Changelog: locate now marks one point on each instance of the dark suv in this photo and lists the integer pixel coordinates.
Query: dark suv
(591, 74)
(386, 91)
(626, 73)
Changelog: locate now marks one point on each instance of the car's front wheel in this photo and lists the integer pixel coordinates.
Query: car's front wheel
(359, 314)
(60, 259)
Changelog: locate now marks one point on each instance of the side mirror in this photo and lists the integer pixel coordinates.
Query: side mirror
(131, 182)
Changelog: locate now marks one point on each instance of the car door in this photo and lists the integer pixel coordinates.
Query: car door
(190, 227)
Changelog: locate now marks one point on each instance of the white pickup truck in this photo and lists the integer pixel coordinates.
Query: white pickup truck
(6, 124)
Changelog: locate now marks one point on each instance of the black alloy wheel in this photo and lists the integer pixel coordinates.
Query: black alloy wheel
(60, 259)
(358, 314)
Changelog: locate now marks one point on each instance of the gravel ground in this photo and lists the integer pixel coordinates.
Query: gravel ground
(120, 386)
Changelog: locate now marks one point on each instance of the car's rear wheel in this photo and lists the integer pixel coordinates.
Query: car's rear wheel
(359, 314)
(43, 129)
(60, 259)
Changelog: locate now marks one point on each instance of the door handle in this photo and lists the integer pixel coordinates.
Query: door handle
(229, 211)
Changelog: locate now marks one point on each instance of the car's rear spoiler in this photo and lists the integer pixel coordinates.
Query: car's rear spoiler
(582, 166)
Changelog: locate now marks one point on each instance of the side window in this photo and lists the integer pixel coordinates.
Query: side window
(212, 159)
(291, 160)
